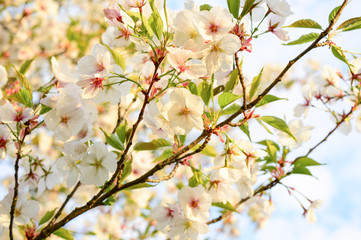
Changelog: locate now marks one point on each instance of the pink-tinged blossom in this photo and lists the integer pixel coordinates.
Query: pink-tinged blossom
(310, 213)
(97, 164)
(157, 119)
(99, 62)
(215, 23)
(195, 202)
(91, 85)
(180, 59)
(274, 26)
(221, 183)
(4, 140)
(112, 14)
(134, 3)
(184, 111)
(13, 115)
(279, 7)
(165, 216)
(63, 72)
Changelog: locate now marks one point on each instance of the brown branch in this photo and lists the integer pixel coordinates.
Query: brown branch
(58, 213)
(259, 190)
(241, 79)
(169, 176)
(16, 179)
(331, 132)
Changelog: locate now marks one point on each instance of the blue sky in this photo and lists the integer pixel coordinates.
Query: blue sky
(338, 182)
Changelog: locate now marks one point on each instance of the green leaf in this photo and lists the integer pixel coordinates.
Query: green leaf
(48, 215)
(348, 23)
(227, 98)
(255, 84)
(301, 170)
(278, 124)
(140, 185)
(208, 150)
(113, 140)
(353, 26)
(196, 179)
(118, 58)
(263, 125)
(247, 7)
(272, 149)
(205, 7)
(26, 65)
(304, 39)
(245, 128)
(153, 145)
(333, 14)
(166, 154)
(156, 24)
(230, 110)
(205, 90)
(233, 6)
(230, 85)
(44, 109)
(305, 162)
(24, 97)
(121, 131)
(339, 54)
(305, 23)
(110, 201)
(268, 99)
(193, 88)
(226, 206)
(64, 234)
(24, 81)
(218, 90)
(127, 170)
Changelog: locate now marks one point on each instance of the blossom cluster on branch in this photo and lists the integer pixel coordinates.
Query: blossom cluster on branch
(133, 116)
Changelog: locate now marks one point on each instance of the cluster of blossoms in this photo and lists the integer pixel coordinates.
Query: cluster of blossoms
(125, 115)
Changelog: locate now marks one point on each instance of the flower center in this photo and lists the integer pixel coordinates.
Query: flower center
(184, 112)
(213, 28)
(194, 203)
(97, 82)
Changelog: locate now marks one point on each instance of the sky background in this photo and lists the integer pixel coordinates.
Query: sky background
(338, 182)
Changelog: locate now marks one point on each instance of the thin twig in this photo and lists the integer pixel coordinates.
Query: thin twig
(169, 176)
(241, 79)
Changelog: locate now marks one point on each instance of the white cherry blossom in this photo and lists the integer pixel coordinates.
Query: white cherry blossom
(184, 111)
(279, 7)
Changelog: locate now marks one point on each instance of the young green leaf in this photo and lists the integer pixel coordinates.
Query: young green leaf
(109, 201)
(230, 85)
(24, 97)
(278, 124)
(48, 215)
(333, 14)
(245, 128)
(193, 88)
(230, 110)
(166, 154)
(301, 170)
(156, 24)
(205, 7)
(64, 234)
(304, 39)
(353, 26)
(118, 58)
(127, 170)
(44, 109)
(268, 99)
(248, 6)
(121, 131)
(305, 23)
(153, 145)
(233, 6)
(26, 65)
(227, 98)
(208, 150)
(226, 206)
(305, 162)
(205, 90)
(113, 140)
(140, 185)
(24, 81)
(349, 23)
(339, 54)
(255, 83)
